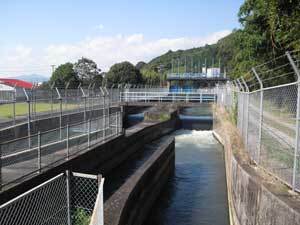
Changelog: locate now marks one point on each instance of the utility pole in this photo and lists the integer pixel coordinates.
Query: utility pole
(185, 64)
(53, 68)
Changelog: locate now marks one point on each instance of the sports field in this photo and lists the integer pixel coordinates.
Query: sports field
(6, 110)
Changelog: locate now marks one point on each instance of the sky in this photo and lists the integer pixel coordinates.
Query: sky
(36, 34)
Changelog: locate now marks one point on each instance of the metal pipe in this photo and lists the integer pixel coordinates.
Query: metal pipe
(260, 113)
(297, 72)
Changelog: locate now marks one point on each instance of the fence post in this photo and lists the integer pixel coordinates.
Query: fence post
(247, 112)
(0, 166)
(108, 107)
(39, 152)
(103, 113)
(68, 151)
(28, 119)
(89, 133)
(60, 114)
(14, 105)
(68, 196)
(242, 98)
(297, 72)
(260, 113)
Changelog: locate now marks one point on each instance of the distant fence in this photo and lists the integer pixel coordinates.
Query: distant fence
(267, 101)
(68, 198)
(165, 95)
(34, 153)
(29, 105)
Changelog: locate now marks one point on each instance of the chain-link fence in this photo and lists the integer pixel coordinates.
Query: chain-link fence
(35, 153)
(268, 108)
(67, 199)
(28, 105)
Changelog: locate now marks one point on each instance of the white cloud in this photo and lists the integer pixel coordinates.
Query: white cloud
(99, 27)
(107, 50)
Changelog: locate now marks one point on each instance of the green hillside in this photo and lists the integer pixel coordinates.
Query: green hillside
(269, 28)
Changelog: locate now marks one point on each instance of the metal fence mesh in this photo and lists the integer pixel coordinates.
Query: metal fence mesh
(268, 112)
(62, 200)
(278, 131)
(46, 204)
(83, 197)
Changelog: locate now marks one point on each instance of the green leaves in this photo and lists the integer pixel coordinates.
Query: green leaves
(123, 73)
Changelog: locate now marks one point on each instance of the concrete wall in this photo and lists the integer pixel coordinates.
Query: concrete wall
(255, 197)
(131, 203)
(101, 158)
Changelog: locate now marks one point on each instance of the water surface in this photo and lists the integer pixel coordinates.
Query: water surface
(196, 194)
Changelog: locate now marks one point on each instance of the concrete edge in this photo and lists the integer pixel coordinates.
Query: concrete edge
(230, 204)
(118, 205)
(257, 178)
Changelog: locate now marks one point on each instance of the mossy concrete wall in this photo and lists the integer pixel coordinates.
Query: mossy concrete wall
(255, 197)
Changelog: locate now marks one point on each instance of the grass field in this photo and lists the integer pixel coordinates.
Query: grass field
(6, 110)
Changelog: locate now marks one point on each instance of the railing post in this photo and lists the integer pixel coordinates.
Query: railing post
(60, 113)
(103, 113)
(121, 119)
(84, 116)
(51, 101)
(0, 166)
(68, 151)
(89, 133)
(242, 98)
(260, 113)
(39, 152)
(297, 72)
(14, 107)
(108, 108)
(28, 119)
(68, 187)
(247, 112)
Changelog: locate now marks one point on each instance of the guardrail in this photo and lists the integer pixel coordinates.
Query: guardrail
(167, 97)
(181, 76)
(68, 198)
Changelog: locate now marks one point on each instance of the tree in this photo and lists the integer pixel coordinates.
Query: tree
(140, 65)
(123, 73)
(88, 71)
(151, 77)
(64, 74)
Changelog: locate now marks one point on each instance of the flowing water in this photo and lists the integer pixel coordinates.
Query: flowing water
(196, 194)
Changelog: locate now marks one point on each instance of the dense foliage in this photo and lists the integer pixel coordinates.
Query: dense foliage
(123, 73)
(87, 71)
(84, 71)
(63, 74)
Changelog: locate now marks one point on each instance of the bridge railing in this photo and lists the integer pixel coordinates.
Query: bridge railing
(166, 97)
(194, 76)
(33, 154)
(68, 198)
(268, 113)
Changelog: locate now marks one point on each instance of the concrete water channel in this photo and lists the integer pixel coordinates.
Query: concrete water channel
(195, 192)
